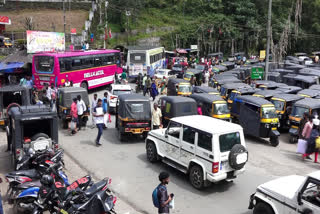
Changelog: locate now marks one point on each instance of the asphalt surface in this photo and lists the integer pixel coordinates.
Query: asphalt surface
(134, 178)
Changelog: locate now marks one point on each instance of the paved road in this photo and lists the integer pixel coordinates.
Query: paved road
(134, 177)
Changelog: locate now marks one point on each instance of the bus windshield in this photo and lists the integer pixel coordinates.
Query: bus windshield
(44, 64)
(298, 111)
(269, 112)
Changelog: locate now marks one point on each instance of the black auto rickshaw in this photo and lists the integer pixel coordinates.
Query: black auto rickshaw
(65, 99)
(226, 89)
(268, 85)
(213, 106)
(274, 76)
(33, 127)
(218, 55)
(315, 87)
(220, 80)
(289, 79)
(240, 92)
(205, 90)
(133, 115)
(197, 74)
(289, 89)
(305, 81)
(176, 87)
(283, 104)
(266, 94)
(309, 93)
(257, 116)
(228, 65)
(309, 105)
(10, 96)
(176, 106)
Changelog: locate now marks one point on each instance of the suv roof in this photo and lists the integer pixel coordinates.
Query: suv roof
(207, 124)
(120, 87)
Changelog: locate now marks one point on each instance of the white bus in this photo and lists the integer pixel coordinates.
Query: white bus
(145, 60)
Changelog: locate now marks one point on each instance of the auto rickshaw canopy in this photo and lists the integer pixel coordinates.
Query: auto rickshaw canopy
(134, 106)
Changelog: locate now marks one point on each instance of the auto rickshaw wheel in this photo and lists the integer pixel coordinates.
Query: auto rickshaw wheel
(274, 141)
(120, 136)
(64, 124)
(293, 139)
(84, 85)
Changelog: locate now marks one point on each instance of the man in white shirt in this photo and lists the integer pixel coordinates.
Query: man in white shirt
(99, 120)
(93, 106)
(156, 116)
(81, 106)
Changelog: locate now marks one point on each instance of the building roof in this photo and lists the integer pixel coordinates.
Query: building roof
(208, 124)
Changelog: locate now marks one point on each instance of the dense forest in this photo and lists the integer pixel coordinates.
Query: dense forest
(237, 25)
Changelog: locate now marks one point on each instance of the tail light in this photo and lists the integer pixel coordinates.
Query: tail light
(148, 129)
(18, 151)
(112, 97)
(127, 129)
(215, 167)
(56, 146)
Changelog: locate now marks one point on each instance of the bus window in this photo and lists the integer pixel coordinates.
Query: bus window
(44, 63)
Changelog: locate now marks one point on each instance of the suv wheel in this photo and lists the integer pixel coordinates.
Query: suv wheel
(237, 150)
(262, 208)
(152, 153)
(196, 177)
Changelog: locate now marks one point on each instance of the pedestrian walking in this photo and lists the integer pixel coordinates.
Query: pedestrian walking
(105, 108)
(163, 197)
(311, 142)
(81, 106)
(144, 80)
(98, 113)
(93, 105)
(154, 90)
(303, 122)
(306, 134)
(148, 84)
(123, 77)
(74, 116)
(156, 116)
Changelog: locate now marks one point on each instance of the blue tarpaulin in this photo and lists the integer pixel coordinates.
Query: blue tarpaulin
(10, 67)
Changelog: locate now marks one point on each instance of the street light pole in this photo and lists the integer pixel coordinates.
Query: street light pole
(128, 13)
(268, 39)
(106, 26)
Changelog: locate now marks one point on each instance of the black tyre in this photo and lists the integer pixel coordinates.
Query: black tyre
(274, 141)
(64, 124)
(236, 150)
(39, 136)
(262, 208)
(120, 136)
(196, 177)
(152, 153)
(293, 139)
(84, 85)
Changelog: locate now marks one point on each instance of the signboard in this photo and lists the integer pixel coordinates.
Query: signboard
(5, 20)
(73, 31)
(257, 73)
(194, 47)
(262, 54)
(38, 41)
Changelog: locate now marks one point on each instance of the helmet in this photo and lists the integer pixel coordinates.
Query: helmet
(46, 180)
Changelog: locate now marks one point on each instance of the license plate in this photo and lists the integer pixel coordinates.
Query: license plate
(63, 211)
(137, 130)
(242, 158)
(1, 122)
(274, 128)
(41, 145)
(43, 78)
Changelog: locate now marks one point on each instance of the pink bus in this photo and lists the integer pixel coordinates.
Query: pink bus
(88, 69)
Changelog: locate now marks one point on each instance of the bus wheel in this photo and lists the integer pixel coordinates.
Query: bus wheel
(84, 85)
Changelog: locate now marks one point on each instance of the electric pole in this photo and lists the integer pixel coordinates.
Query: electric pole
(64, 17)
(128, 13)
(268, 40)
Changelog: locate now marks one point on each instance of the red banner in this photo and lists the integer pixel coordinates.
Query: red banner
(5, 20)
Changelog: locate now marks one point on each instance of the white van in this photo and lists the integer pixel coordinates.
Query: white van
(205, 148)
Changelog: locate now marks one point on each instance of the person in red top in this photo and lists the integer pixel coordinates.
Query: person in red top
(199, 109)
(74, 114)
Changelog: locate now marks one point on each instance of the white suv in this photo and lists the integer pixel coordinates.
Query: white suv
(115, 91)
(289, 194)
(208, 149)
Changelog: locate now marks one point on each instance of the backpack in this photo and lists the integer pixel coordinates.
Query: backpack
(155, 198)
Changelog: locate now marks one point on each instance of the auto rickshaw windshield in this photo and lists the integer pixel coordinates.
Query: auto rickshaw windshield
(233, 95)
(7, 40)
(184, 88)
(279, 105)
(298, 111)
(269, 112)
(221, 108)
(223, 91)
(188, 75)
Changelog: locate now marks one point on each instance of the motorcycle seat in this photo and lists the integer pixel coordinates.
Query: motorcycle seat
(27, 185)
(31, 173)
(95, 188)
